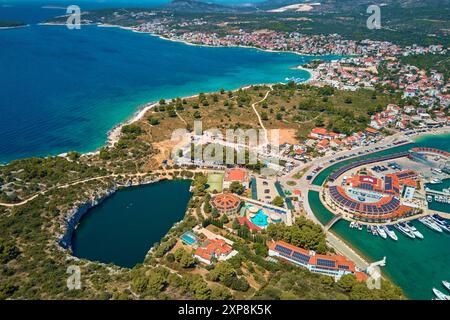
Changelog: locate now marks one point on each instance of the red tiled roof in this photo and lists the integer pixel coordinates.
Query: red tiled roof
(225, 201)
(321, 131)
(341, 262)
(371, 130)
(213, 247)
(249, 224)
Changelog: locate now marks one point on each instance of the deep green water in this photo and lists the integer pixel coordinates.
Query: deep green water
(321, 213)
(415, 265)
(125, 226)
(443, 207)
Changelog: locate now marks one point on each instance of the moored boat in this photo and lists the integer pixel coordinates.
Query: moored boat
(441, 223)
(430, 224)
(381, 232)
(414, 230)
(405, 231)
(446, 284)
(390, 233)
(440, 295)
(374, 231)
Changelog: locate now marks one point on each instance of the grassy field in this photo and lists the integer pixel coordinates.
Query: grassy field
(296, 109)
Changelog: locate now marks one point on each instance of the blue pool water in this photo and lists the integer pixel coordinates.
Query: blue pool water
(189, 238)
(260, 219)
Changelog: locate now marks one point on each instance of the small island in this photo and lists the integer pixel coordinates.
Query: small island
(11, 24)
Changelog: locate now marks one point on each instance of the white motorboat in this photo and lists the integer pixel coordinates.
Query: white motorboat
(404, 230)
(446, 284)
(414, 230)
(441, 223)
(381, 232)
(390, 233)
(440, 295)
(430, 224)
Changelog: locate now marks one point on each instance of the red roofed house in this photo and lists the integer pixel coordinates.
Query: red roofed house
(319, 133)
(323, 145)
(371, 131)
(336, 143)
(212, 248)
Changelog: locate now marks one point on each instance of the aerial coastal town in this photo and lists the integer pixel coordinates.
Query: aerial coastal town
(342, 149)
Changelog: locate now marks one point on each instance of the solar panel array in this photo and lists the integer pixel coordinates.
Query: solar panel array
(366, 186)
(301, 257)
(283, 250)
(326, 263)
(363, 207)
(406, 174)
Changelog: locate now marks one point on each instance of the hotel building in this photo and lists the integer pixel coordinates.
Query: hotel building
(335, 265)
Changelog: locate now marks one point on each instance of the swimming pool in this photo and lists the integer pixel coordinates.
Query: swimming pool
(189, 238)
(260, 219)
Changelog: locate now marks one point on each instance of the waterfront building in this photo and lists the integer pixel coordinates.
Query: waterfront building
(331, 265)
(371, 199)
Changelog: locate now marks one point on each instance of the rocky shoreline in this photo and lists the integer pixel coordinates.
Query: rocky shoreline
(74, 216)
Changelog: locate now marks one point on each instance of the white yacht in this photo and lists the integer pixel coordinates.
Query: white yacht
(441, 223)
(414, 230)
(430, 224)
(446, 284)
(440, 295)
(404, 230)
(381, 232)
(390, 233)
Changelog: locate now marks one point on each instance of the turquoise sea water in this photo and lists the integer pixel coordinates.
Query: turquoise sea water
(63, 90)
(415, 265)
(122, 229)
